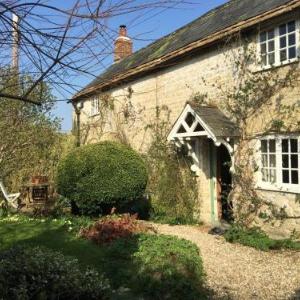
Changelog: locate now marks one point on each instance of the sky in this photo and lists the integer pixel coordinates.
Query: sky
(143, 34)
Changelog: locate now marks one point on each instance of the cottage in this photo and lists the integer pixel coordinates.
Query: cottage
(203, 58)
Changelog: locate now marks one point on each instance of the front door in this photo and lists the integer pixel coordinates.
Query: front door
(224, 184)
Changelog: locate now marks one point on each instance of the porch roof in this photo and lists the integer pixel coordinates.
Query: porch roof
(216, 120)
(208, 121)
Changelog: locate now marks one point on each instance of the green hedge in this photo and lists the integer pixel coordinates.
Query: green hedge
(100, 176)
(40, 273)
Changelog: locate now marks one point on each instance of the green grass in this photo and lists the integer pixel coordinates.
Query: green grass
(258, 239)
(53, 235)
(151, 266)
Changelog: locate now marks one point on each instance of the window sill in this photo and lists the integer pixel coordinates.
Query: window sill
(276, 66)
(283, 189)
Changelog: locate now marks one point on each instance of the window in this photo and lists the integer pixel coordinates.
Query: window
(267, 47)
(279, 45)
(268, 159)
(95, 106)
(280, 163)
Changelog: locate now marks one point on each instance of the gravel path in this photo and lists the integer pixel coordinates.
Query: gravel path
(238, 272)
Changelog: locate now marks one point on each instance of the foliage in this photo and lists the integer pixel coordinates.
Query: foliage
(172, 186)
(164, 267)
(113, 227)
(254, 237)
(100, 176)
(158, 259)
(40, 273)
(25, 129)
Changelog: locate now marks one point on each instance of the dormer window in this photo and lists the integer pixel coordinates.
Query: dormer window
(279, 45)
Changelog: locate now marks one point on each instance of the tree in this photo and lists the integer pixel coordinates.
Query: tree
(55, 44)
(30, 141)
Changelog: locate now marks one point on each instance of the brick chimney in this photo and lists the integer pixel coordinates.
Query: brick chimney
(123, 45)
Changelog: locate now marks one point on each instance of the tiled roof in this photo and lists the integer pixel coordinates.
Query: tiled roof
(212, 22)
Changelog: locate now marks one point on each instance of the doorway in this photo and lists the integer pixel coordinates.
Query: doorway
(224, 184)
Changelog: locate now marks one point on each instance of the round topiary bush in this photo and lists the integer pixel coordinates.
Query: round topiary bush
(100, 176)
(40, 273)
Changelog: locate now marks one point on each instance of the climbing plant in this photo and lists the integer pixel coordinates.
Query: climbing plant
(251, 94)
(172, 185)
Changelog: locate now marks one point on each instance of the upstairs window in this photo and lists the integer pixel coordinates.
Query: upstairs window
(95, 106)
(267, 47)
(279, 45)
(280, 163)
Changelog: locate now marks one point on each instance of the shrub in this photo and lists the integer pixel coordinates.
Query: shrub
(100, 176)
(161, 267)
(256, 238)
(39, 273)
(111, 228)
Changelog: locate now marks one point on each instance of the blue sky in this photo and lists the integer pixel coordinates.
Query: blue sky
(145, 32)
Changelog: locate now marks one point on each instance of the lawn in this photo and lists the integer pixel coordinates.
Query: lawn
(148, 266)
(51, 234)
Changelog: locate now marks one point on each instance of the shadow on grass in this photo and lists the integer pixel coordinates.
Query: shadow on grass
(128, 274)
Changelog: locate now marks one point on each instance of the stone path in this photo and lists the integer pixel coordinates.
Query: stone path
(239, 272)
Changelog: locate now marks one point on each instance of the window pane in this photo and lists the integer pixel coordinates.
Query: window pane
(271, 58)
(271, 34)
(264, 144)
(263, 48)
(273, 175)
(294, 161)
(291, 26)
(285, 161)
(282, 29)
(285, 145)
(272, 146)
(295, 177)
(283, 55)
(272, 160)
(264, 60)
(292, 39)
(263, 36)
(271, 46)
(264, 175)
(285, 176)
(283, 42)
(294, 146)
(265, 160)
(292, 52)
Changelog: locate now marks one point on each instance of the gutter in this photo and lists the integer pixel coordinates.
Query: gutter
(192, 46)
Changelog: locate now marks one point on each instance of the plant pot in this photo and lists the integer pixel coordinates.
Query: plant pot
(39, 179)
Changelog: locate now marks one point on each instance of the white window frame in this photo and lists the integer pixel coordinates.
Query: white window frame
(277, 62)
(278, 185)
(95, 106)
